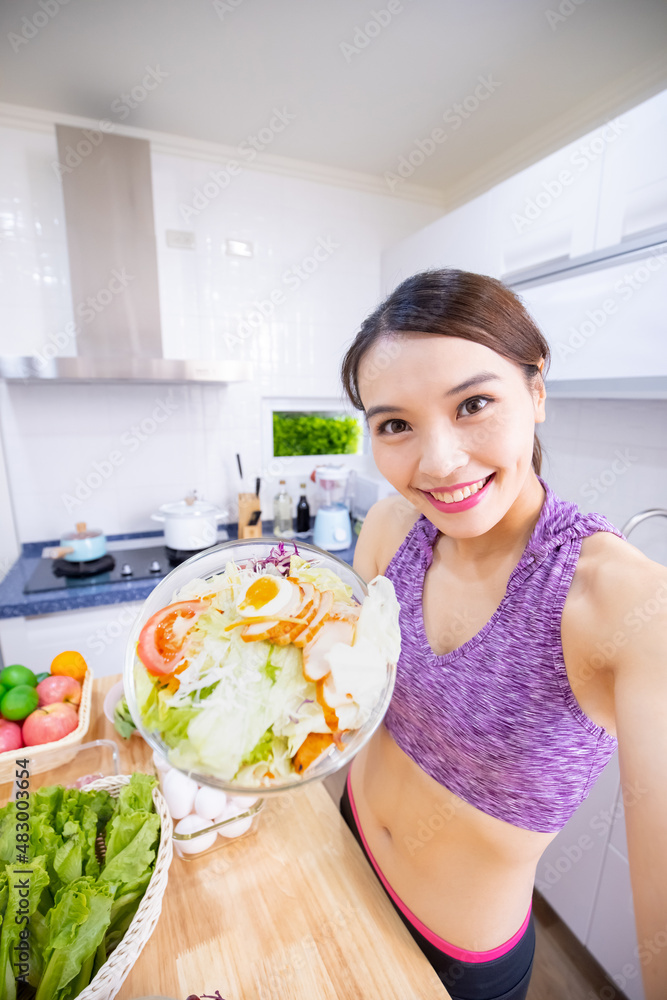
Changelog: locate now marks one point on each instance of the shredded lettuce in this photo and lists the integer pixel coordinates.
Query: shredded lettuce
(242, 710)
(320, 577)
(261, 750)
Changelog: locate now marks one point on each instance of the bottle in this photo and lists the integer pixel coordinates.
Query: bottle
(282, 513)
(302, 513)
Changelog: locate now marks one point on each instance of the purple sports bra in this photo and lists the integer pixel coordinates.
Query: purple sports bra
(496, 720)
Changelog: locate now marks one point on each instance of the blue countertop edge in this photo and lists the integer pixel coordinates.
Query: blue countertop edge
(15, 604)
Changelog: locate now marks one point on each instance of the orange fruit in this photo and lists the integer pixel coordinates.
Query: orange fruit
(70, 664)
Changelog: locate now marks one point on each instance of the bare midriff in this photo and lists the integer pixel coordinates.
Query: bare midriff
(466, 875)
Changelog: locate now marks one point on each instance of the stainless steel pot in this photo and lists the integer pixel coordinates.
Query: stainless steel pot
(190, 524)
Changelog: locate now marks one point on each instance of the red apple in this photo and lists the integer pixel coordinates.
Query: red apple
(58, 688)
(10, 735)
(49, 723)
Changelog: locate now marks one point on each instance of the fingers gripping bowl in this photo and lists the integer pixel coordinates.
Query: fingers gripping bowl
(262, 666)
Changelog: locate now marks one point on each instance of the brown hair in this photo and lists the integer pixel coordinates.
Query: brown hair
(455, 304)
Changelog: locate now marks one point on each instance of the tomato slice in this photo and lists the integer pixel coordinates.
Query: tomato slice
(162, 638)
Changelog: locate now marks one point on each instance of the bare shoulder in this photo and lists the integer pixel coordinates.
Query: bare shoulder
(616, 591)
(385, 526)
(611, 566)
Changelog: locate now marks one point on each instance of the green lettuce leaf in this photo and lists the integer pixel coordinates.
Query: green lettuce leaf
(261, 750)
(137, 795)
(321, 577)
(24, 888)
(76, 925)
(134, 862)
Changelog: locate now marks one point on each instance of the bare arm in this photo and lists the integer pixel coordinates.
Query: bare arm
(639, 611)
(365, 553)
(385, 526)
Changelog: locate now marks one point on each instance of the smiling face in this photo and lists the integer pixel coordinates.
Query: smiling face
(444, 415)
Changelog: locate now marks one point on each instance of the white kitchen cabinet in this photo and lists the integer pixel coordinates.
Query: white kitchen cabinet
(605, 324)
(548, 212)
(463, 239)
(568, 872)
(633, 191)
(612, 938)
(100, 634)
(584, 875)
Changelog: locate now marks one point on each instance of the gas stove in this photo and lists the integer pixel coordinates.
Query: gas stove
(152, 563)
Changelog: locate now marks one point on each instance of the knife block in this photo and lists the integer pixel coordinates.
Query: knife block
(248, 504)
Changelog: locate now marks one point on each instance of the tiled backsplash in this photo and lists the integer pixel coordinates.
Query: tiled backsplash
(111, 454)
(610, 456)
(318, 245)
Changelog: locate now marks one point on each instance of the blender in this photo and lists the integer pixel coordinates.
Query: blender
(333, 529)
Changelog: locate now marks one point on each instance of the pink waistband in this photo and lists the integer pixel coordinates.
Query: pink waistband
(450, 949)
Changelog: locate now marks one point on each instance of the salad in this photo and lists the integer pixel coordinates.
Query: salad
(253, 673)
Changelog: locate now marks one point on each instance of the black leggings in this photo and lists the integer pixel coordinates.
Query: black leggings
(504, 978)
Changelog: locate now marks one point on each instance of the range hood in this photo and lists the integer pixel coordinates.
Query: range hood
(108, 196)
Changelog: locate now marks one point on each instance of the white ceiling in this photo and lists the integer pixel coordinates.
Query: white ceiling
(230, 63)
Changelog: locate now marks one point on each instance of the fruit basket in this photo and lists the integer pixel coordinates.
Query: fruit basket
(194, 576)
(38, 756)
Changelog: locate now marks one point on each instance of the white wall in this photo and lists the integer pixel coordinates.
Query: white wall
(57, 435)
(9, 547)
(610, 456)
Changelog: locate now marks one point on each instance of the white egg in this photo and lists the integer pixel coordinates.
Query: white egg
(236, 829)
(242, 802)
(268, 594)
(161, 763)
(193, 824)
(179, 791)
(209, 802)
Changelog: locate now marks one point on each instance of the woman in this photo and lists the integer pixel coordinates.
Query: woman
(505, 711)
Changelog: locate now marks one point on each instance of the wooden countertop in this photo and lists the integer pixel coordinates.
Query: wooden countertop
(293, 912)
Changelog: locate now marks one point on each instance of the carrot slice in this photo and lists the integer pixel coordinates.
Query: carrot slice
(330, 716)
(311, 748)
(265, 618)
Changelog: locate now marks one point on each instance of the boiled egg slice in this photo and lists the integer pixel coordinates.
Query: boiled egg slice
(268, 595)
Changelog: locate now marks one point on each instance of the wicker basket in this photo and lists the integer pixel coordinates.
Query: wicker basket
(39, 755)
(113, 973)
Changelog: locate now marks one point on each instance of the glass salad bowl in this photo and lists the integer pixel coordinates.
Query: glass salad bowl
(198, 727)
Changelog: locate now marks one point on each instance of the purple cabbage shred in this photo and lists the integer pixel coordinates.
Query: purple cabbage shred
(278, 557)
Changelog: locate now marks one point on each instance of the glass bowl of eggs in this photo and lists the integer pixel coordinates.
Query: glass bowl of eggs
(258, 666)
(205, 818)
